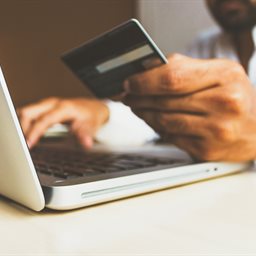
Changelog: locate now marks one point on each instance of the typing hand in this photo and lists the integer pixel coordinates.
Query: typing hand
(206, 107)
(85, 116)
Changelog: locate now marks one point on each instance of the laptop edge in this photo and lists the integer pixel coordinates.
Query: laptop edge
(20, 182)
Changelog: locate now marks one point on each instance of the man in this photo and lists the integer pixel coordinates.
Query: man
(204, 106)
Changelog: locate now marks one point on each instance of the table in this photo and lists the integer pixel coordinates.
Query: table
(214, 217)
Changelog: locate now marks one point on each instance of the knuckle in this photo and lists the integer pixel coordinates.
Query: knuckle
(236, 68)
(173, 58)
(208, 154)
(231, 66)
(235, 103)
(66, 104)
(52, 100)
(166, 80)
(171, 80)
(23, 113)
(232, 102)
(230, 71)
(224, 131)
(233, 72)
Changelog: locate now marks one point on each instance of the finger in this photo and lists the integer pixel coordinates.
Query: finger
(192, 145)
(48, 119)
(182, 75)
(208, 102)
(193, 104)
(25, 123)
(176, 123)
(84, 132)
(84, 138)
(39, 108)
(29, 113)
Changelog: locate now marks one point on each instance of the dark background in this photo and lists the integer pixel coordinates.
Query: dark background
(34, 33)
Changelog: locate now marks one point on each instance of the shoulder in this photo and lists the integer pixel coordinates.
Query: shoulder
(203, 46)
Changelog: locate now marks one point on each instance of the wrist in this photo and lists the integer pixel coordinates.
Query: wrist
(105, 113)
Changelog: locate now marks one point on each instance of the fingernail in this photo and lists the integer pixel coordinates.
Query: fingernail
(126, 86)
(88, 142)
(29, 143)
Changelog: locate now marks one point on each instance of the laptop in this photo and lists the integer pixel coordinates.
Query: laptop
(64, 178)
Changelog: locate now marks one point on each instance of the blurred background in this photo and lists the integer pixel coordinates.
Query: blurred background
(34, 33)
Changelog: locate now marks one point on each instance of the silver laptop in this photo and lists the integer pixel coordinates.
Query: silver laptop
(67, 177)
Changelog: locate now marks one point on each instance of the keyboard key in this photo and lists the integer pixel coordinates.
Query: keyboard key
(73, 164)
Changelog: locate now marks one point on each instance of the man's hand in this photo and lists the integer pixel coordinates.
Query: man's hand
(85, 116)
(206, 107)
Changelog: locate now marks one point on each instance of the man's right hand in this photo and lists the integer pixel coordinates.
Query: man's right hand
(85, 117)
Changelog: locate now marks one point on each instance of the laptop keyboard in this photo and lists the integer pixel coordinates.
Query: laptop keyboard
(75, 164)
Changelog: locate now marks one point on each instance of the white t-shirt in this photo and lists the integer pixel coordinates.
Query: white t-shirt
(125, 128)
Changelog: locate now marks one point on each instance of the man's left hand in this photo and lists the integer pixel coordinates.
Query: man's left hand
(206, 107)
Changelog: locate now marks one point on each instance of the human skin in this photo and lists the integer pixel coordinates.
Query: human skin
(85, 117)
(237, 18)
(233, 15)
(206, 107)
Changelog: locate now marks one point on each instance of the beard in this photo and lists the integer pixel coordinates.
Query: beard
(234, 15)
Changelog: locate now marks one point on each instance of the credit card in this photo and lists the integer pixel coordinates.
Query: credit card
(104, 62)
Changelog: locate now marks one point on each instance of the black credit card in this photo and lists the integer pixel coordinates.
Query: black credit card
(104, 62)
